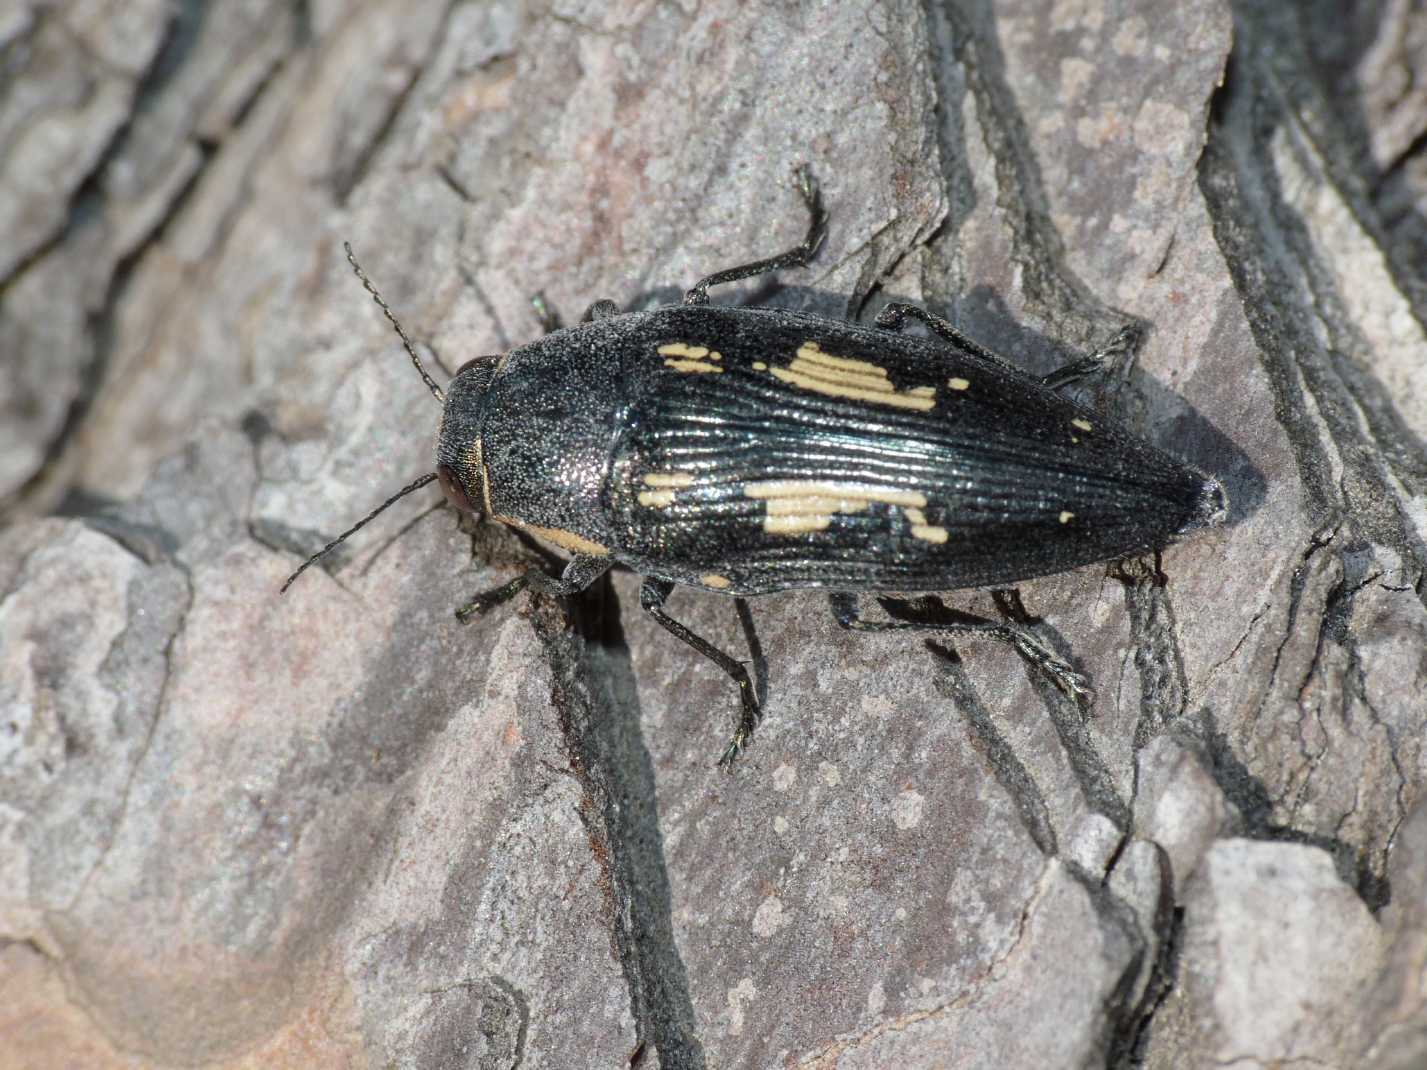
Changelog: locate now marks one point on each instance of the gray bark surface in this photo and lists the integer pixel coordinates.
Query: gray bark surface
(336, 828)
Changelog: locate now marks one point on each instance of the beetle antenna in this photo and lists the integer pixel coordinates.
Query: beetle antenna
(320, 554)
(391, 316)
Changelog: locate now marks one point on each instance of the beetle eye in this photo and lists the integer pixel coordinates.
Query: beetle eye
(476, 362)
(454, 490)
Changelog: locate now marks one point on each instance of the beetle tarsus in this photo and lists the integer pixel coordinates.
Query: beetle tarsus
(748, 720)
(799, 256)
(488, 600)
(1112, 360)
(1027, 644)
(1074, 685)
(652, 594)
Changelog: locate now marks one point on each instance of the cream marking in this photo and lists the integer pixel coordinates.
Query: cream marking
(475, 457)
(566, 540)
(696, 363)
(683, 349)
(713, 579)
(796, 505)
(759, 366)
(922, 530)
(959, 383)
(666, 481)
(691, 366)
(795, 525)
(1084, 425)
(844, 377)
(1066, 517)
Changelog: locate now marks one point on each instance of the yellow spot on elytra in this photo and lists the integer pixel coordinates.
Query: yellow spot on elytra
(796, 505)
(691, 366)
(713, 579)
(759, 366)
(666, 481)
(1066, 517)
(1084, 425)
(566, 540)
(844, 377)
(922, 530)
(683, 349)
(696, 355)
(669, 479)
(959, 383)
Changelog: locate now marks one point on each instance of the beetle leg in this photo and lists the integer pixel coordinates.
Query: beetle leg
(894, 315)
(1114, 357)
(1119, 350)
(600, 310)
(548, 317)
(581, 571)
(1030, 647)
(651, 597)
(487, 600)
(796, 257)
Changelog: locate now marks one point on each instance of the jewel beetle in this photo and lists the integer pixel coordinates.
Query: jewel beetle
(748, 450)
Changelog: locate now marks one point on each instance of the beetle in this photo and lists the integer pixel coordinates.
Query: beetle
(749, 450)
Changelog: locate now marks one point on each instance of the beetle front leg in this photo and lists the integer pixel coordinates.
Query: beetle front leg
(651, 597)
(894, 316)
(798, 256)
(1027, 644)
(579, 573)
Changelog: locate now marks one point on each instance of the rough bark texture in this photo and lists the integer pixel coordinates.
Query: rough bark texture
(337, 829)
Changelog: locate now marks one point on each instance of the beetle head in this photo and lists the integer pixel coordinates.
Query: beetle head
(460, 424)
(458, 449)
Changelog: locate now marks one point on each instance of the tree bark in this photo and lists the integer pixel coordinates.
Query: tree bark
(337, 828)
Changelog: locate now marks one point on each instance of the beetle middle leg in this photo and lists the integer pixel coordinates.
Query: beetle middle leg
(652, 594)
(795, 257)
(1027, 644)
(550, 319)
(1118, 352)
(894, 316)
(581, 571)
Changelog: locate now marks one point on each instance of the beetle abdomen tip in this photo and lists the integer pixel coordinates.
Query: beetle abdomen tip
(1212, 507)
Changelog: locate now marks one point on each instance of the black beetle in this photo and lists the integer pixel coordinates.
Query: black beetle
(752, 450)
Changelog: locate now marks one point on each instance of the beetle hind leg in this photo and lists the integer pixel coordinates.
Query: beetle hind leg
(580, 572)
(1112, 359)
(799, 256)
(1026, 642)
(652, 594)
